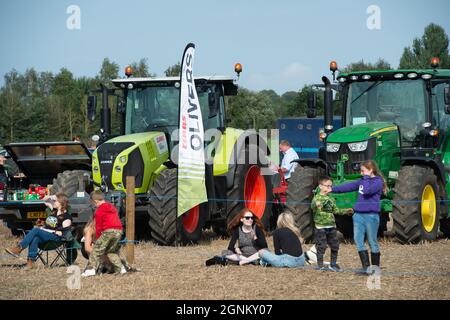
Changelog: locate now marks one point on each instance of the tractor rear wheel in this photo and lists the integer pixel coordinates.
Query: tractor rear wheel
(252, 190)
(415, 206)
(303, 182)
(166, 228)
(68, 182)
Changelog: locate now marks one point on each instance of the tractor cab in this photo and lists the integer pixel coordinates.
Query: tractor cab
(413, 100)
(152, 104)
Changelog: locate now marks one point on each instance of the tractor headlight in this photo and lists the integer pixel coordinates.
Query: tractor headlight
(333, 147)
(358, 146)
(123, 159)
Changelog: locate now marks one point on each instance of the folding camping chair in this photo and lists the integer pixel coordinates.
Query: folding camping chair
(66, 250)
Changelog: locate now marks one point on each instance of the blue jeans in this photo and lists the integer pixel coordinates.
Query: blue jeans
(283, 260)
(34, 238)
(366, 224)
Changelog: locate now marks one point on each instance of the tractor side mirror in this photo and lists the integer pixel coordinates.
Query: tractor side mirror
(447, 99)
(91, 108)
(312, 105)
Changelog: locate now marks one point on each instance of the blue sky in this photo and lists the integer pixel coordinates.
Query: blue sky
(282, 45)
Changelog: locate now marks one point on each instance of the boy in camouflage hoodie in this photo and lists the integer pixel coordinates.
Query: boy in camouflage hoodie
(324, 208)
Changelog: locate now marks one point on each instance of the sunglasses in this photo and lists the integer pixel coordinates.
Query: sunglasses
(248, 218)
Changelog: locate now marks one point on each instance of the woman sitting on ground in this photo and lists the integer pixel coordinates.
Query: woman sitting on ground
(56, 226)
(248, 232)
(287, 245)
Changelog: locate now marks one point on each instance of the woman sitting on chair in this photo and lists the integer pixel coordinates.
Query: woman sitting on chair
(56, 226)
(248, 232)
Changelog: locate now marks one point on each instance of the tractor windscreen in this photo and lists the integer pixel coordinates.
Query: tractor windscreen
(402, 102)
(156, 108)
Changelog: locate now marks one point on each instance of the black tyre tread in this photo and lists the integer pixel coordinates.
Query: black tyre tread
(67, 182)
(299, 194)
(162, 207)
(407, 196)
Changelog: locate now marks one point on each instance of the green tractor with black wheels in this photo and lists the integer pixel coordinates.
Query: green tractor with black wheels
(400, 119)
(235, 160)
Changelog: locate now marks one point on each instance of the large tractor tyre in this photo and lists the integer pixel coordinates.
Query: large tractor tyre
(166, 228)
(251, 189)
(415, 206)
(68, 182)
(303, 182)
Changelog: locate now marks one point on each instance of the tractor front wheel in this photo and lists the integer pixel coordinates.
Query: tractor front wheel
(166, 228)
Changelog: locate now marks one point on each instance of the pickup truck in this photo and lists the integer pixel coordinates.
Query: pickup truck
(58, 166)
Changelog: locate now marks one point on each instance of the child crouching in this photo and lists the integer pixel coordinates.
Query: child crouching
(108, 230)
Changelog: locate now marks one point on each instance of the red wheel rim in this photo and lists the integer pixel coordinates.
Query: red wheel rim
(255, 191)
(190, 219)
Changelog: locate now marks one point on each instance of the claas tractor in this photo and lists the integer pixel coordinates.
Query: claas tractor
(149, 110)
(400, 119)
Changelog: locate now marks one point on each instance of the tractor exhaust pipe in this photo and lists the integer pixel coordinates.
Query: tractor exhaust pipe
(327, 106)
(105, 115)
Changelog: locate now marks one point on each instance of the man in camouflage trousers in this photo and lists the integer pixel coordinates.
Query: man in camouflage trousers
(108, 232)
(324, 208)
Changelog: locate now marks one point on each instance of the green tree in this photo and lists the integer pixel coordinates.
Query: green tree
(108, 72)
(381, 64)
(68, 99)
(173, 71)
(434, 43)
(251, 110)
(297, 106)
(287, 102)
(11, 106)
(141, 69)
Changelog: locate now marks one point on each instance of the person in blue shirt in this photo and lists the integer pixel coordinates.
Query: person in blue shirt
(289, 155)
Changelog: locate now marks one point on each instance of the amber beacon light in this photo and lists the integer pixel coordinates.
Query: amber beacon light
(128, 71)
(238, 68)
(435, 62)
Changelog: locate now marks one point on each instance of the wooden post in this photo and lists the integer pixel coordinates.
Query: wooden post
(130, 206)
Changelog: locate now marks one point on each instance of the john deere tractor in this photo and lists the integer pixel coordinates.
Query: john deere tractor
(400, 119)
(149, 109)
